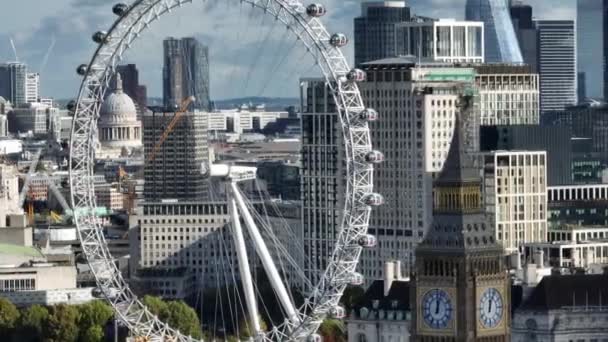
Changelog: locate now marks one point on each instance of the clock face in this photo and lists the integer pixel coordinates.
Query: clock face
(437, 308)
(490, 308)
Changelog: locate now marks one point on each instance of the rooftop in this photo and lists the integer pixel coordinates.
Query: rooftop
(16, 250)
(569, 291)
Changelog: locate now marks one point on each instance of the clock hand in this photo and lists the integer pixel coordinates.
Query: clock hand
(489, 306)
(437, 306)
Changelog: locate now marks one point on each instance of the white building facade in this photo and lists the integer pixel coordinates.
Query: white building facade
(417, 106)
(242, 120)
(508, 95)
(184, 235)
(515, 186)
(443, 40)
(32, 87)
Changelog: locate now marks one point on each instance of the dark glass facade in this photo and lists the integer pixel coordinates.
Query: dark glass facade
(555, 140)
(591, 36)
(12, 82)
(525, 30)
(131, 86)
(375, 30)
(185, 73)
(587, 121)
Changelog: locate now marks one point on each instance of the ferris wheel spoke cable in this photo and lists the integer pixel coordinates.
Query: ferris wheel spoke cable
(260, 49)
(133, 20)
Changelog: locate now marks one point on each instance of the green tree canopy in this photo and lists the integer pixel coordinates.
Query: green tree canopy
(62, 325)
(352, 295)
(31, 324)
(333, 330)
(95, 313)
(8, 317)
(177, 314)
(93, 333)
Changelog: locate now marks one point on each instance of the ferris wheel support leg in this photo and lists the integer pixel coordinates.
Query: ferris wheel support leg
(265, 257)
(241, 252)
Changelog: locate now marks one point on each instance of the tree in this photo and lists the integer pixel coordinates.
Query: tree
(245, 325)
(333, 330)
(32, 322)
(183, 318)
(8, 317)
(352, 295)
(95, 313)
(93, 333)
(177, 314)
(62, 325)
(156, 306)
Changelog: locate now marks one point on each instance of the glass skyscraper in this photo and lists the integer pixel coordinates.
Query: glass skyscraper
(185, 73)
(591, 27)
(557, 64)
(501, 45)
(375, 29)
(12, 82)
(525, 30)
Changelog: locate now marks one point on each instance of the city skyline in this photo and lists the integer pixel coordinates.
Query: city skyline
(70, 23)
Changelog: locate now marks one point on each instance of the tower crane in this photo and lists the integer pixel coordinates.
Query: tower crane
(152, 156)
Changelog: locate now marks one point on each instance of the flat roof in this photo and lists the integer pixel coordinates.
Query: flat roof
(17, 250)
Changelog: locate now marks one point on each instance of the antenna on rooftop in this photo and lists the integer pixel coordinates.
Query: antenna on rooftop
(14, 49)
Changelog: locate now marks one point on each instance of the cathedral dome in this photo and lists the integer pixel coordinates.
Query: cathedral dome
(119, 129)
(118, 106)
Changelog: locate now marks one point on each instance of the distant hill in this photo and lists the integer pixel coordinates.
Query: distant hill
(271, 103)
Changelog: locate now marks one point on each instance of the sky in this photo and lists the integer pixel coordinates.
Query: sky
(249, 53)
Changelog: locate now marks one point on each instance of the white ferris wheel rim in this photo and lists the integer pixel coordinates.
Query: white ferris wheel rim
(356, 140)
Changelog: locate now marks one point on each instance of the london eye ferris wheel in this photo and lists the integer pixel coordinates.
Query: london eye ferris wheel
(301, 320)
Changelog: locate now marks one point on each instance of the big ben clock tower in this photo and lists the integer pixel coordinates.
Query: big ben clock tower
(460, 287)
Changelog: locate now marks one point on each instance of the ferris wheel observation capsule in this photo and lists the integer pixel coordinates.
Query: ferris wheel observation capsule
(373, 200)
(356, 75)
(100, 37)
(338, 40)
(374, 157)
(82, 69)
(316, 10)
(367, 241)
(368, 114)
(120, 9)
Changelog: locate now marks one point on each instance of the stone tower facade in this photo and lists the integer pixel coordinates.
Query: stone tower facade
(460, 289)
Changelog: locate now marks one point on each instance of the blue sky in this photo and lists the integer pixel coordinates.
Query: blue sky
(67, 25)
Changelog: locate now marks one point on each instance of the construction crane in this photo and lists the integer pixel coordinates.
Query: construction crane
(152, 156)
(176, 118)
(28, 177)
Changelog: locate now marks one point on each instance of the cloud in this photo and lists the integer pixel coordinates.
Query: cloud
(235, 34)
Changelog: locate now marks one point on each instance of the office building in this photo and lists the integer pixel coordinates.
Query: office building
(131, 86)
(36, 118)
(185, 73)
(417, 104)
(564, 308)
(375, 29)
(584, 205)
(322, 177)
(508, 95)
(501, 45)
(118, 126)
(451, 301)
(243, 120)
(588, 120)
(557, 64)
(515, 196)
(9, 193)
(13, 82)
(32, 87)
(443, 40)
(181, 241)
(174, 171)
(591, 42)
(525, 30)
(554, 140)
